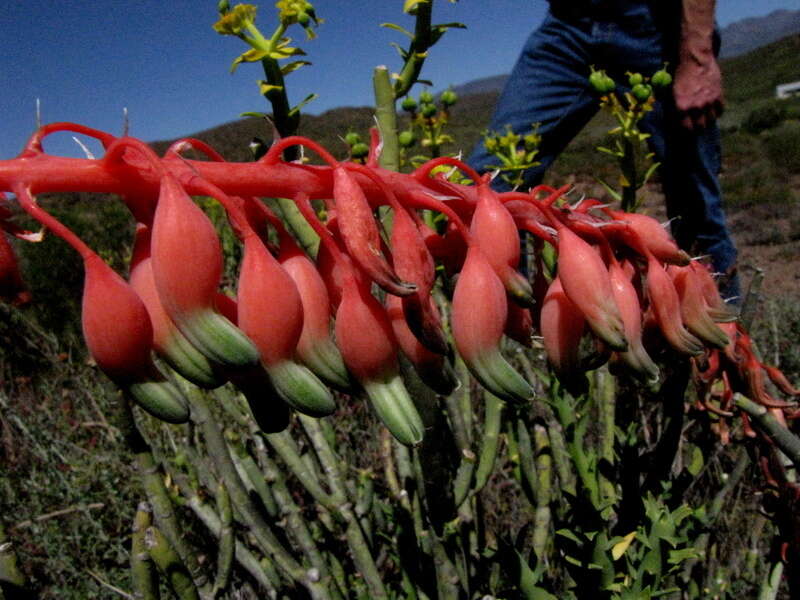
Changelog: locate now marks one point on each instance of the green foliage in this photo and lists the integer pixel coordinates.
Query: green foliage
(516, 153)
(782, 146)
(765, 116)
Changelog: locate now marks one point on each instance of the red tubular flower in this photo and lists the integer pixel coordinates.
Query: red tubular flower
(168, 341)
(717, 309)
(694, 310)
(665, 304)
(187, 266)
(116, 326)
(654, 237)
(361, 235)
(414, 263)
(586, 282)
(433, 368)
(270, 313)
(479, 314)
(494, 230)
(119, 336)
(627, 300)
(315, 348)
(369, 349)
(562, 325)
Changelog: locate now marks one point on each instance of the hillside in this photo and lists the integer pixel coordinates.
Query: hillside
(748, 34)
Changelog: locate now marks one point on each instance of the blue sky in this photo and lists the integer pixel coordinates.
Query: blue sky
(162, 60)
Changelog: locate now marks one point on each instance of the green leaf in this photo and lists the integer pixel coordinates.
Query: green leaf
(611, 191)
(293, 66)
(649, 172)
(259, 115)
(251, 55)
(402, 52)
(302, 103)
(569, 535)
(696, 460)
(618, 549)
(652, 562)
(678, 556)
(266, 88)
(283, 50)
(402, 30)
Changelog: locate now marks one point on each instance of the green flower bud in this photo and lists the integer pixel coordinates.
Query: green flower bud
(223, 6)
(448, 97)
(642, 92)
(426, 97)
(406, 138)
(661, 78)
(635, 79)
(428, 110)
(596, 80)
(359, 150)
(352, 138)
(408, 104)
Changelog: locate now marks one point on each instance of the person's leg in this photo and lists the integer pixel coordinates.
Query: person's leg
(548, 85)
(690, 178)
(690, 161)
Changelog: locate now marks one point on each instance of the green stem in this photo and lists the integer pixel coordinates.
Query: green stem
(417, 51)
(527, 465)
(544, 490)
(157, 496)
(270, 581)
(295, 523)
(362, 555)
(606, 437)
(144, 578)
(284, 445)
(628, 167)
(170, 564)
(225, 551)
(780, 435)
(772, 582)
(265, 538)
(386, 116)
(490, 440)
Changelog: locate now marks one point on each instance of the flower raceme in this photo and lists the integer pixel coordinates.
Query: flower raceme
(287, 300)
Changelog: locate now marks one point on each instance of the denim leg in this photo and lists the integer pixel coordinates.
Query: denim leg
(548, 85)
(690, 166)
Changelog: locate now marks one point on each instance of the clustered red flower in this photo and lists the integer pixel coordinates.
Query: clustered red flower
(299, 325)
(722, 373)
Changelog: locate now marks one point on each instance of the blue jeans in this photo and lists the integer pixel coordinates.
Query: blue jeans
(549, 85)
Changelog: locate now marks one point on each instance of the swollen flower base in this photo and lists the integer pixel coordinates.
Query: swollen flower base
(621, 287)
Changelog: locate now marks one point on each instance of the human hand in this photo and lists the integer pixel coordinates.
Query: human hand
(698, 92)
